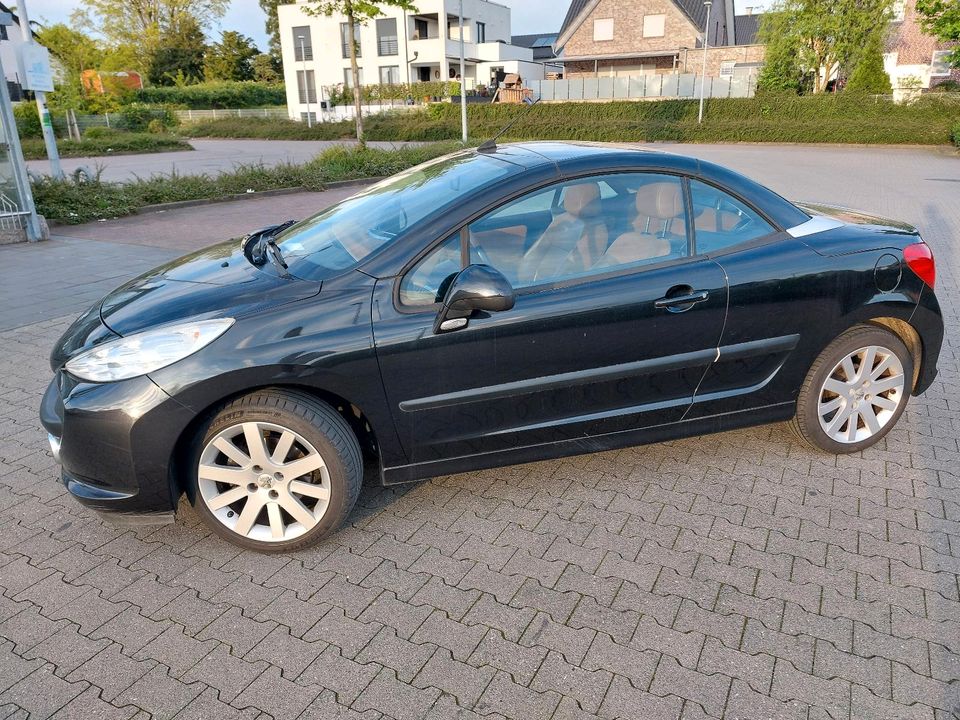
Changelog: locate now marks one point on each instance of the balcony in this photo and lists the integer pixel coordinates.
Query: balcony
(387, 46)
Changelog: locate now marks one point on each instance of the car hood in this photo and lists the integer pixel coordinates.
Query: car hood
(217, 281)
(849, 216)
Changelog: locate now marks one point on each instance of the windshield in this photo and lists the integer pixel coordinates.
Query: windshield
(345, 234)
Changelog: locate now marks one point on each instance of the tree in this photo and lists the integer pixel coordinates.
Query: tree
(146, 25)
(942, 19)
(76, 52)
(265, 68)
(272, 24)
(357, 13)
(781, 70)
(179, 56)
(231, 58)
(868, 75)
(827, 36)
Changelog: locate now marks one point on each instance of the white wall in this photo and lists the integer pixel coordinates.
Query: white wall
(439, 53)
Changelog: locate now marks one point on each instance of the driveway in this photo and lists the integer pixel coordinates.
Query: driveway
(210, 157)
(737, 576)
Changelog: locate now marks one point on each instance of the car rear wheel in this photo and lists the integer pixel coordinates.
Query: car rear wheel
(277, 471)
(855, 391)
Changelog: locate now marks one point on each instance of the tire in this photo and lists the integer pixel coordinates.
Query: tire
(828, 394)
(294, 489)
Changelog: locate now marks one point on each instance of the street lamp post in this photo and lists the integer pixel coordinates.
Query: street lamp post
(46, 123)
(306, 86)
(703, 73)
(463, 83)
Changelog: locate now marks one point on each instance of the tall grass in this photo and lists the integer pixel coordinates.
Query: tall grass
(70, 203)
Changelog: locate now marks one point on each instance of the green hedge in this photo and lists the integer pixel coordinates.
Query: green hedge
(770, 118)
(27, 119)
(205, 96)
(67, 202)
(956, 134)
(121, 143)
(270, 129)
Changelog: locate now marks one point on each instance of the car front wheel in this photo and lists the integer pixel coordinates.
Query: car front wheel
(855, 391)
(277, 471)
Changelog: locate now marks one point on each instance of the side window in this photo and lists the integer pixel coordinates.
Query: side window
(427, 282)
(600, 223)
(721, 221)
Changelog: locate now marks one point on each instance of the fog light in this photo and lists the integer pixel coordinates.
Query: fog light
(54, 446)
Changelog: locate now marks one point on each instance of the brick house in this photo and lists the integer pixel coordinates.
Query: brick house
(618, 38)
(913, 59)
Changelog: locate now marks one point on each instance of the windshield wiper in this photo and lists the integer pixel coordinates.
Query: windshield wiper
(263, 246)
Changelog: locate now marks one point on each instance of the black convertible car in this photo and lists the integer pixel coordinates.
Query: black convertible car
(494, 306)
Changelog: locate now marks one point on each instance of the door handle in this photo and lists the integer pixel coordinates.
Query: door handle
(676, 302)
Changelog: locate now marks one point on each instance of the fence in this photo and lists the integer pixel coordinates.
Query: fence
(670, 85)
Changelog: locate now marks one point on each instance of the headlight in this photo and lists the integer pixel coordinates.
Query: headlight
(147, 351)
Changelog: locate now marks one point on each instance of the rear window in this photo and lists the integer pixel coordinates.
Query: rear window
(346, 234)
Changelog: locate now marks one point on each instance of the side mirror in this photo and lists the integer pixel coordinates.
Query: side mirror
(476, 287)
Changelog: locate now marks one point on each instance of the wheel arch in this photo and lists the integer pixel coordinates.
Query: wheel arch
(189, 439)
(909, 336)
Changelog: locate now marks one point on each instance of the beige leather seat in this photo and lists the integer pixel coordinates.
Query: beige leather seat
(573, 242)
(660, 219)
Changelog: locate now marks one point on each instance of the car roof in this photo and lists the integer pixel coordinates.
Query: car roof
(560, 153)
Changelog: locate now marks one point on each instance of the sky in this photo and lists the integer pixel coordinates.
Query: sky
(529, 16)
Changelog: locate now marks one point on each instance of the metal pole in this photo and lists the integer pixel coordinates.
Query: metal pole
(463, 83)
(703, 73)
(306, 87)
(17, 163)
(46, 122)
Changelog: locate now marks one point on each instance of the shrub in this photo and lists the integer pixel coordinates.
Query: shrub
(956, 133)
(27, 119)
(156, 126)
(205, 96)
(270, 129)
(137, 116)
(869, 76)
(111, 142)
(99, 132)
(67, 202)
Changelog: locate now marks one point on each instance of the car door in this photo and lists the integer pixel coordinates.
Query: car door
(772, 298)
(613, 327)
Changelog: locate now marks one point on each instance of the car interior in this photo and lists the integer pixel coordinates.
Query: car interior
(584, 226)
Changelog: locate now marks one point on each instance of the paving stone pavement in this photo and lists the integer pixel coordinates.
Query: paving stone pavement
(735, 576)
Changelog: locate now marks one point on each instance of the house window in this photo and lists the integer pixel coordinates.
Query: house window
(306, 86)
(939, 67)
(421, 30)
(726, 68)
(313, 117)
(345, 39)
(653, 25)
(348, 76)
(387, 36)
(602, 29)
(898, 10)
(302, 44)
(481, 32)
(390, 75)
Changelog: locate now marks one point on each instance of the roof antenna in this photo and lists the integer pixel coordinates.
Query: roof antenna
(491, 144)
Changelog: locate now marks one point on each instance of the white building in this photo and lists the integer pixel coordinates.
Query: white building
(399, 47)
(11, 39)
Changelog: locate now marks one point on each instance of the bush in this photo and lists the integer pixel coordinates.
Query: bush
(205, 96)
(956, 133)
(769, 117)
(156, 126)
(106, 141)
(100, 132)
(27, 119)
(67, 202)
(137, 116)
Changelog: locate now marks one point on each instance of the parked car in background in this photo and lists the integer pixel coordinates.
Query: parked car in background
(494, 306)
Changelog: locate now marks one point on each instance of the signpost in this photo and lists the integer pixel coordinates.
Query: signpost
(36, 75)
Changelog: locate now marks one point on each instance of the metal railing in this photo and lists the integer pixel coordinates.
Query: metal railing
(668, 85)
(387, 46)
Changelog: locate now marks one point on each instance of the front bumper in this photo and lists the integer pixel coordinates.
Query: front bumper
(116, 442)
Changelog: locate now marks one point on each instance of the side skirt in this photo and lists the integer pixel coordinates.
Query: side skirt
(590, 444)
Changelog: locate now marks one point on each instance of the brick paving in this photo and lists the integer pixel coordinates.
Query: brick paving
(739, 576)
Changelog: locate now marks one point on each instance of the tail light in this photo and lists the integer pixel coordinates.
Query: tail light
(919, 258)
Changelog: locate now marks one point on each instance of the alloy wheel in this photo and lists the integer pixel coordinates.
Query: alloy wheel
(263, 481)
(861, 394)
